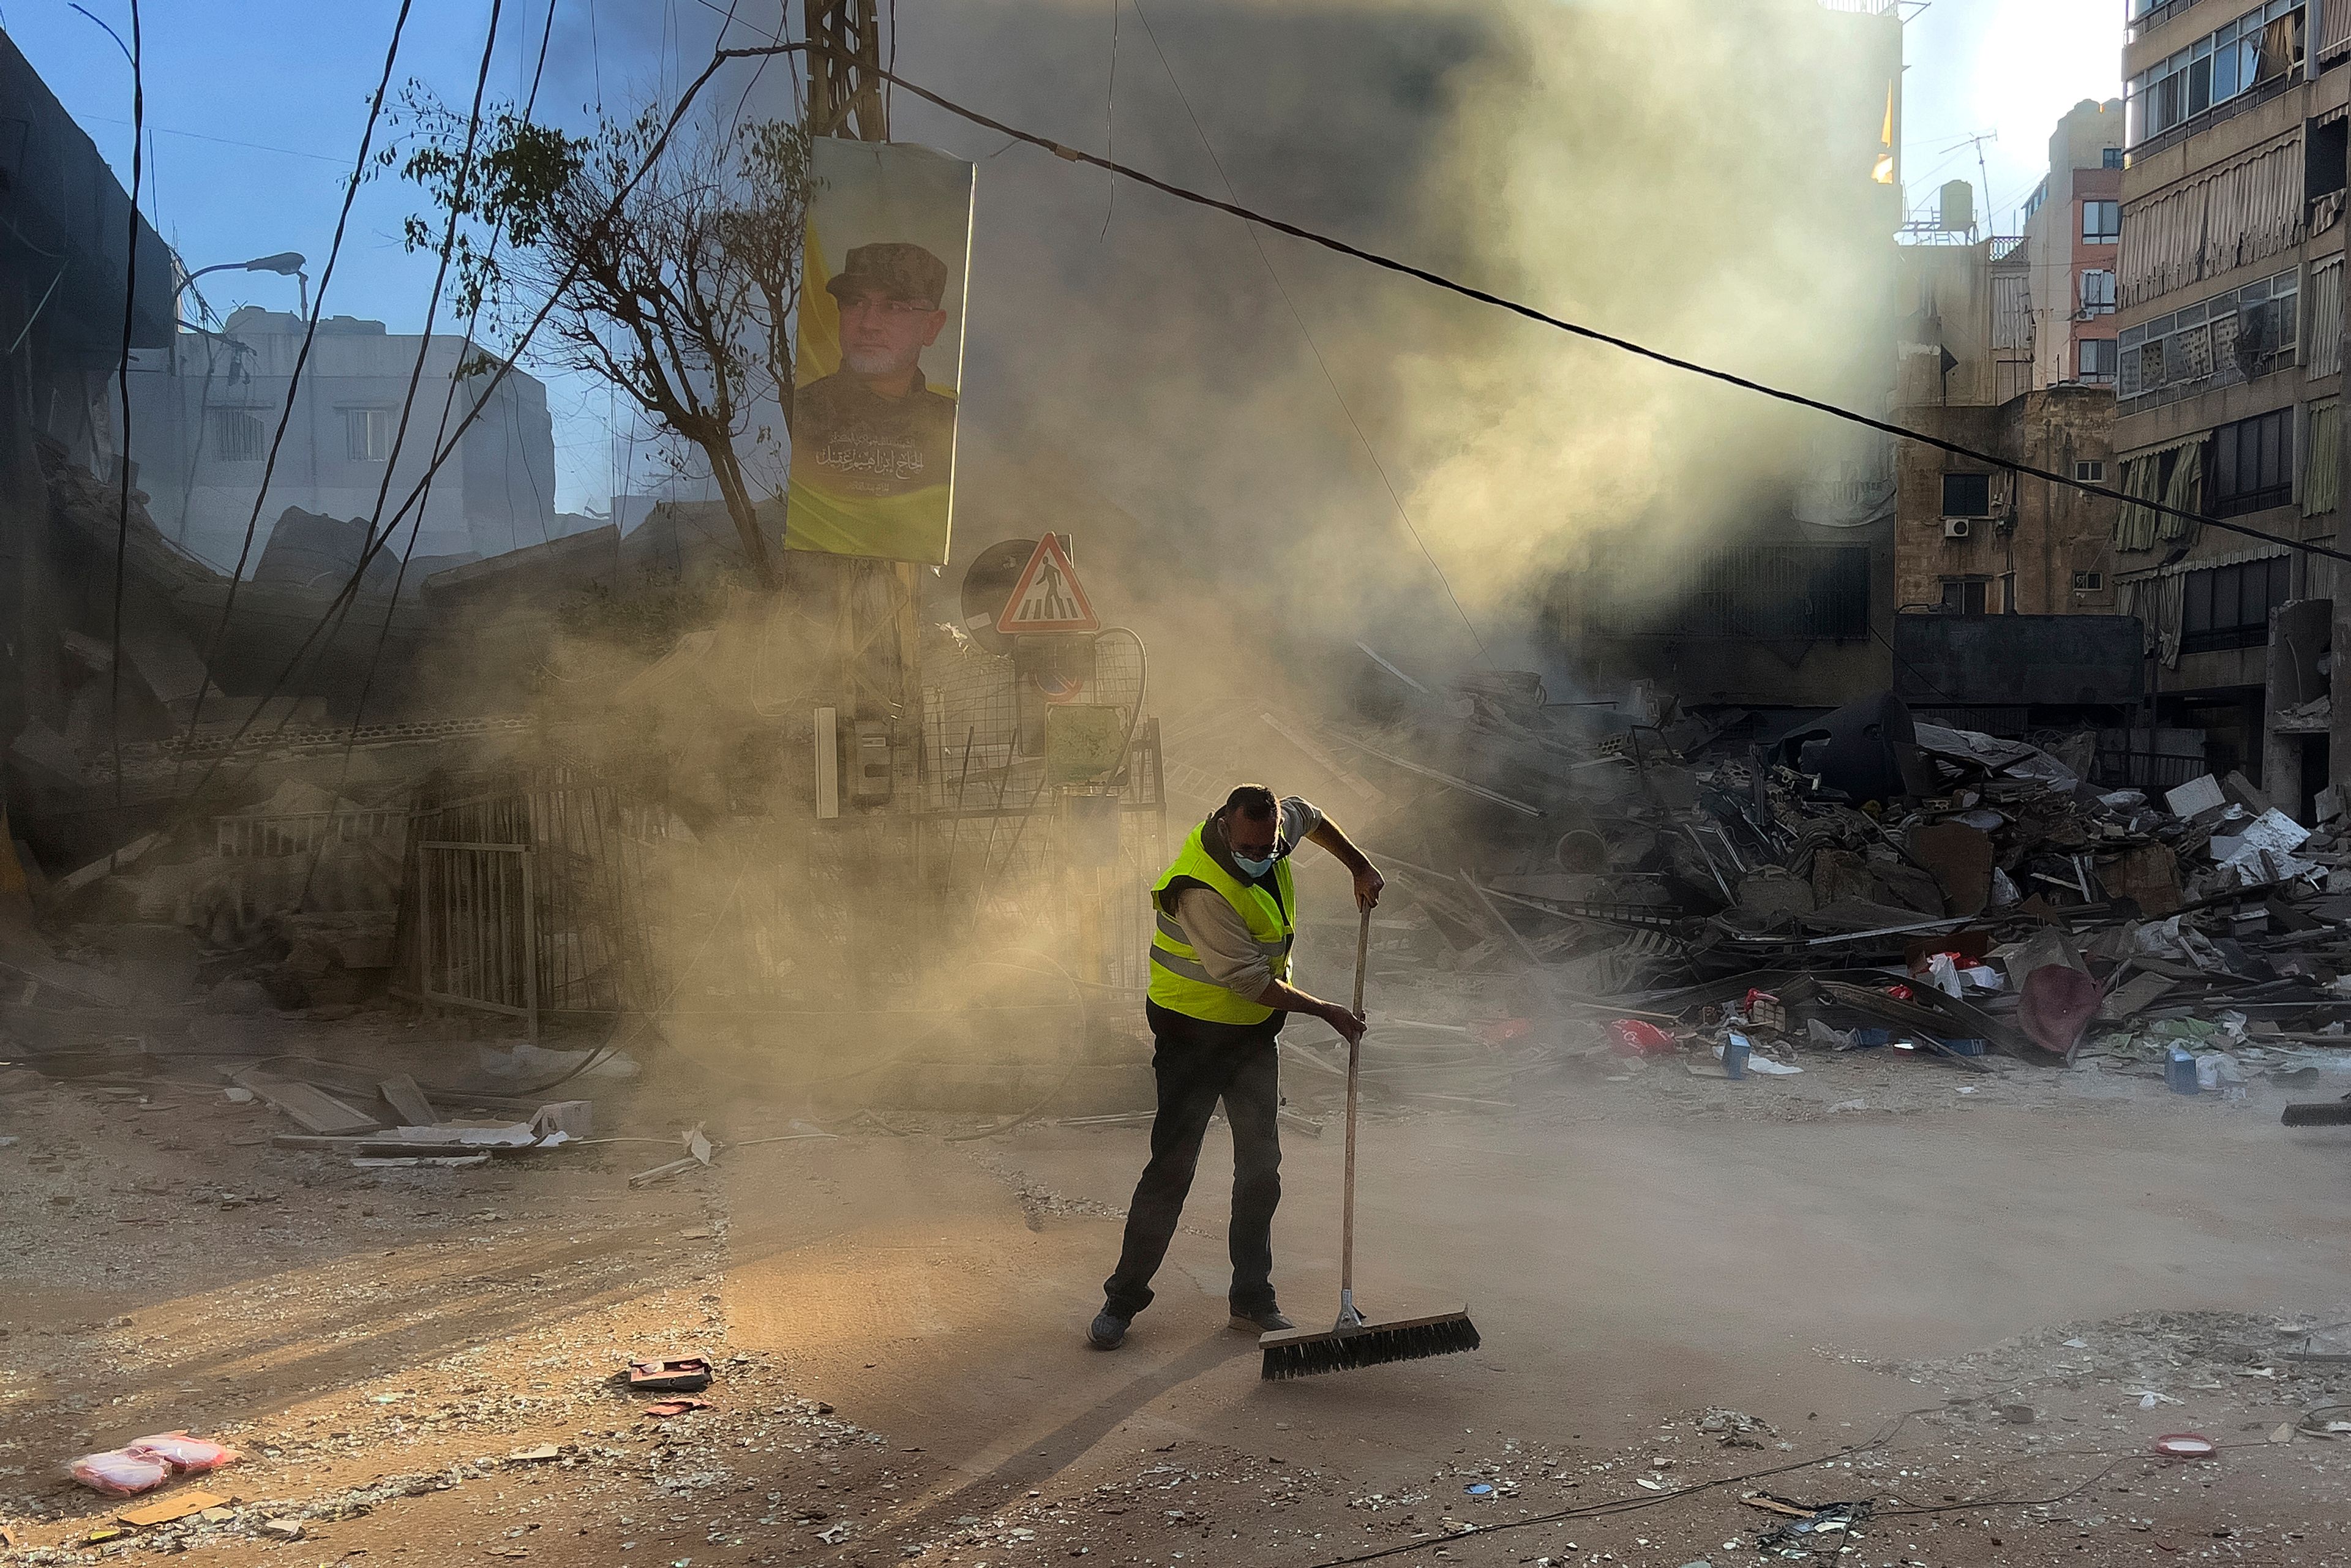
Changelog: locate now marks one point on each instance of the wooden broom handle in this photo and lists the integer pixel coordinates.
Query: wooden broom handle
(1354, 1060)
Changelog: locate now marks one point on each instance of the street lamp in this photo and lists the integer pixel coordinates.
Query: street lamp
(285, 264)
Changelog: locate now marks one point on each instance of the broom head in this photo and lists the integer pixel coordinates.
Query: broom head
(1303, 1352)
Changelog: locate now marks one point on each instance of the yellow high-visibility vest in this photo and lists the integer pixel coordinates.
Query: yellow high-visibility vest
(1179, 982)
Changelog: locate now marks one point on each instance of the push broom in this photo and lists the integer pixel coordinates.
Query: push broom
(1353, 1341)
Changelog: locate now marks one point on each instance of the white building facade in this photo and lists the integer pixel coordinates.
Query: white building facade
(204, 420)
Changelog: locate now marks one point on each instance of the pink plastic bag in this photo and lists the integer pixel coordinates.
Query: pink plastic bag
(193, 1455)
(120, 1472)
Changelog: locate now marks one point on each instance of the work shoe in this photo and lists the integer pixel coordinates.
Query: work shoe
(1266, 1319)
(1109, 1330)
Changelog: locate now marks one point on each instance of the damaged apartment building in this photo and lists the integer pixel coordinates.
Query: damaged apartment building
(2006, 616)
(2229, 322)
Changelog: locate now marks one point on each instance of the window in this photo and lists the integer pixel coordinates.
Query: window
(2235, 336)
(368, 433)
(2090, 472)
(236, 436)
(2088, 581)
(1964, 595)
(2101, 361)
(2033, 202)
(2102, 223)
(2111, 158)
(2324, 158)
(2097, 293)
(2229, 606)
(1967, 494)
(2260, 47)
(2252, 464)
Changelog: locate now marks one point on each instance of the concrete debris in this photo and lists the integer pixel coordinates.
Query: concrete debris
(1864, 881)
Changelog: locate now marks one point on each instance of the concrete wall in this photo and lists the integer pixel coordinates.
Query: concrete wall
(2041, 535)
(65, 267)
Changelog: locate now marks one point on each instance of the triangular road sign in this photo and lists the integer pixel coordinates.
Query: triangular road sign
(1049, 597)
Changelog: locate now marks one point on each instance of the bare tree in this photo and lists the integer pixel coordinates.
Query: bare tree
(685, 300)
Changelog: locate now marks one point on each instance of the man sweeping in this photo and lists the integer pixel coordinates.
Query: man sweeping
(1220, 991)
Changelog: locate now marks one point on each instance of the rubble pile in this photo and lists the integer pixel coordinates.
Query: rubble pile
(1864, 881)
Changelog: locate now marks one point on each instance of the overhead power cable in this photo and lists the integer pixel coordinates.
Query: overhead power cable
(1312, 346)
(448, 404)
(718, 60)
(293, 383)
(440, 276)
(1592, 334)
(448, 448)
(130, 312)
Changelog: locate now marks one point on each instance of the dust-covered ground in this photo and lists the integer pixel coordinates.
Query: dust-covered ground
(1972, 1312)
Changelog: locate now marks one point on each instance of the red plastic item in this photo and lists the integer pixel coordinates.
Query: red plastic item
(1900, 993)
(1756, 995)
(192, 1456)
(1633, 1037)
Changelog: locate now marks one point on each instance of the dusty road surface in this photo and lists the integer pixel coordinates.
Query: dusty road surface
(1970, 1313)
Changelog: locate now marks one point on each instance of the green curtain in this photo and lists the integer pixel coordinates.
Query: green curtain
(2322, 474)
(2135, 523)
(2185, 493)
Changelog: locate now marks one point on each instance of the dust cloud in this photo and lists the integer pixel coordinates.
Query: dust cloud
(1695, 177)
(1140, 372)
(1219, 417)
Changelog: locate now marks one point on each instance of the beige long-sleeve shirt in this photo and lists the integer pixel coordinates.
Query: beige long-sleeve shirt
(1217, 932)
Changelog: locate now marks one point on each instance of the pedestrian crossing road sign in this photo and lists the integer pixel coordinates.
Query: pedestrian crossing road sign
(1049, 597)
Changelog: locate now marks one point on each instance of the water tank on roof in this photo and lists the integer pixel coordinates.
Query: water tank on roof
(1958, 207)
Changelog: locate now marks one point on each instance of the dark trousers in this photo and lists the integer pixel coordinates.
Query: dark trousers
(1198, 1063)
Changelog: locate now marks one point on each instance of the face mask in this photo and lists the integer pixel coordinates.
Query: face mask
(1254, 868)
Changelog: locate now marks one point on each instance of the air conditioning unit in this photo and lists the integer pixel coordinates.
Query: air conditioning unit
(1957, 527)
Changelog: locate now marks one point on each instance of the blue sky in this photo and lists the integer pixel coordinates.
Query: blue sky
(280, 85)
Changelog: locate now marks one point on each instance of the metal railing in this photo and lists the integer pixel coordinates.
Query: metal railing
(293, 832)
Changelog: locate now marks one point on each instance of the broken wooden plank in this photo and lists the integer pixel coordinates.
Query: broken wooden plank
(663, 1172)
(2135, 994)
(313, 1107)
(399, 1148)
(334, 1077)
(407, 1101)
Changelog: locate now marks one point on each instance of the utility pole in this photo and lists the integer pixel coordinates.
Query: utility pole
(845, 52)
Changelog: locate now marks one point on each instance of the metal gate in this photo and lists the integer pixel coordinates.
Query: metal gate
(521, 898)
(476, 930)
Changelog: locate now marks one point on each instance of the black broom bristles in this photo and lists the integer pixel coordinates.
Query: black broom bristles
(1299, 1353)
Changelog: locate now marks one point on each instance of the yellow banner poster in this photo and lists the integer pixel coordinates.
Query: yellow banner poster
(888, 251)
